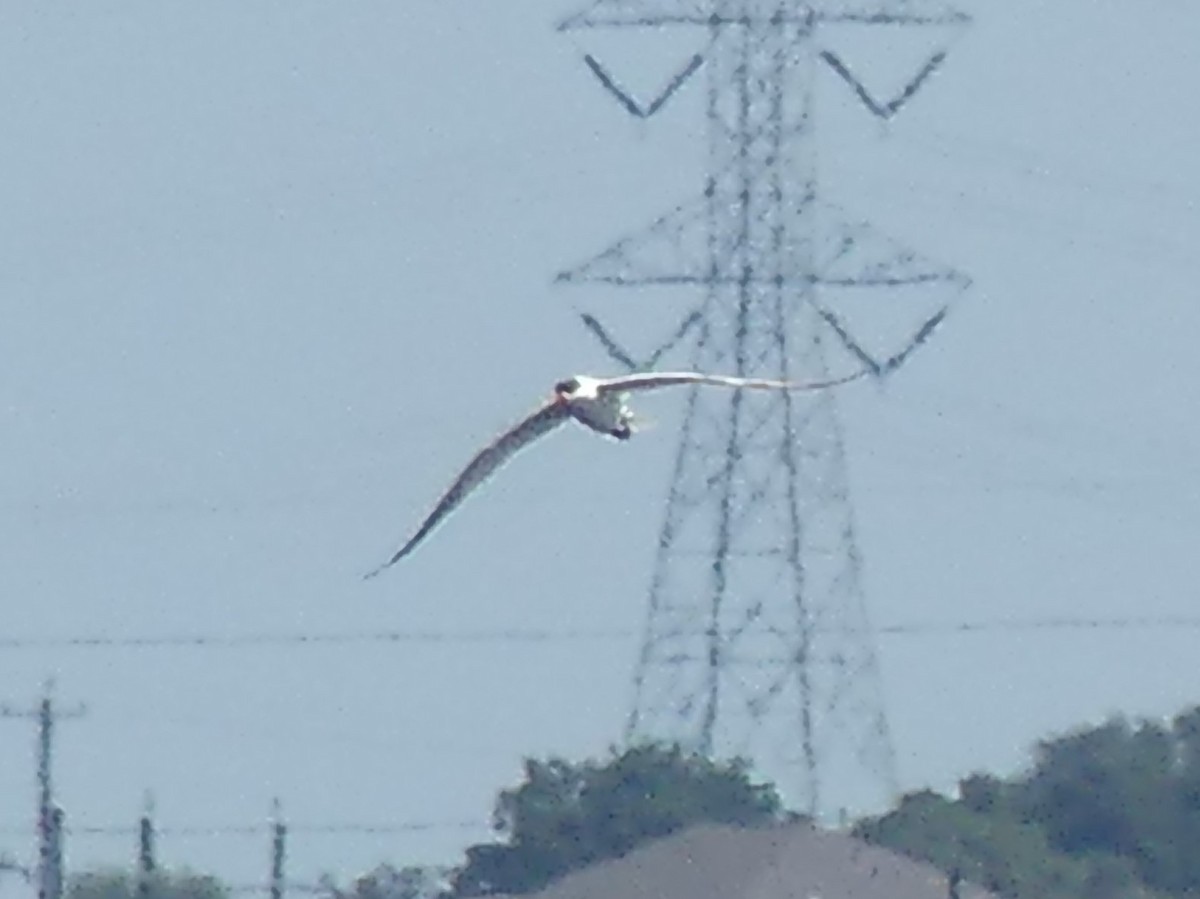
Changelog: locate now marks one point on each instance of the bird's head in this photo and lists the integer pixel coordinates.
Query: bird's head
(566, 388)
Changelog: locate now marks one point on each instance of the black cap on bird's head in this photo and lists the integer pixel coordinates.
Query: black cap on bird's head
(567, 386)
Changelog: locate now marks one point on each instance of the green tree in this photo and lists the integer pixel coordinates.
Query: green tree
(1112, 810)
(118, 884)
(1004, 854)
(388, 882)
(565, 816)
(1105, 789)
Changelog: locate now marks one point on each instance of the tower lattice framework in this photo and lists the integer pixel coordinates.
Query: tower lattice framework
(757, 640)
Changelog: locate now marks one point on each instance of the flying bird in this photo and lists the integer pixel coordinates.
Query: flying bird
(598, 403)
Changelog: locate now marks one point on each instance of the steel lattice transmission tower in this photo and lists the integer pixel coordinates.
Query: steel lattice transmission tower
(757, 640)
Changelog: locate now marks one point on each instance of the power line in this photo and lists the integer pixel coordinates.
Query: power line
(226, 830)
(1131, 622)
(312, 888)
(563, 635)
(262, 639)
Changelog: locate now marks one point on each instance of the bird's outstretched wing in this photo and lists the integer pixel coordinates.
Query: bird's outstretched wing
(483, 466)
(652, 380)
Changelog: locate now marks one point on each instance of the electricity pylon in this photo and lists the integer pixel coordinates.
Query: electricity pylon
(757, 640)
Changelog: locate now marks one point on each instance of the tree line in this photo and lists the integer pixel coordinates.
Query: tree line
(1100, 812)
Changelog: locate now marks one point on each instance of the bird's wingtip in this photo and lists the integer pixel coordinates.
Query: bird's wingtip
(375, 572)
(388, 564)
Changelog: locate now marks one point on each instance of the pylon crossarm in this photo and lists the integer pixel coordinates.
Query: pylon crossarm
(627, 100)
(890, 108)
(919, 338)
(877, 368)
(869, 362)
(615, 350)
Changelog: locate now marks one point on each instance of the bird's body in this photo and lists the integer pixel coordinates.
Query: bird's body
(605, 412)
(600, 404)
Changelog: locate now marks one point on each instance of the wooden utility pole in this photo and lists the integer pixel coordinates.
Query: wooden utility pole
(146, 865)
(278, 850)
(49, 816)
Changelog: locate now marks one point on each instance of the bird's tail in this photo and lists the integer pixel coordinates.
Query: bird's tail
(639, 423)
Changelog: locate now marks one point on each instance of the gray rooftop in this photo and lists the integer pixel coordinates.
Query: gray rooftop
(795, 861)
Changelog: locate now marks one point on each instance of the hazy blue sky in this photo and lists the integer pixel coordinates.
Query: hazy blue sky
(270, 271)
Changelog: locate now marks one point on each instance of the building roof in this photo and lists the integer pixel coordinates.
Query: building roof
(794, 861)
